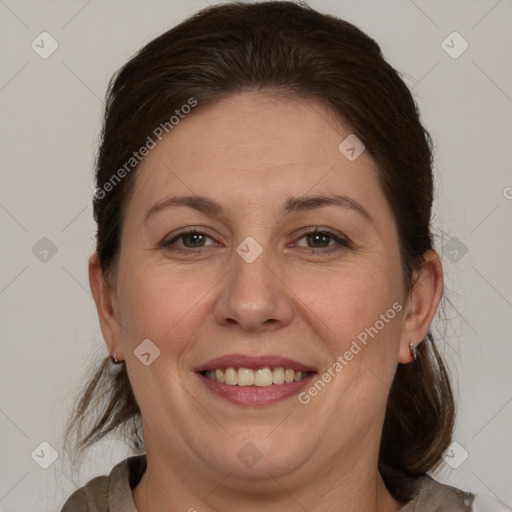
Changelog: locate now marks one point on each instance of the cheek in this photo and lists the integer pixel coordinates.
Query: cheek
(164, 306)
(350, 301)
(358, 316)
(162, 303)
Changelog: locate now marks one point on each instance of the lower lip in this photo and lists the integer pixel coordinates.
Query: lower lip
(255, 395)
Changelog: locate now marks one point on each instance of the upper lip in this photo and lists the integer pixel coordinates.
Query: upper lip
(253, 363)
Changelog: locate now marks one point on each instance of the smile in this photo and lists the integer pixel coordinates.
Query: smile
(262, 377)
(254, 380)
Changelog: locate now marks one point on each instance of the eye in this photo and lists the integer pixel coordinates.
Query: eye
(324, 239)
(191, 239)
(319, 241)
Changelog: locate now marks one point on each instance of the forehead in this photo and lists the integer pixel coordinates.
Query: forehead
(254, 147)
(261, 129)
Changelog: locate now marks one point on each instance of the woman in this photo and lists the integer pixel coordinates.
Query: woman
(265, 277)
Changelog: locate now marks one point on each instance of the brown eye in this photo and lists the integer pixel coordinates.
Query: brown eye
(324, 240)
(193, 240)
(319, 238)
(190, 240)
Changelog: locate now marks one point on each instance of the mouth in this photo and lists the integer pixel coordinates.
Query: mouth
(262, 380)
(262, 377)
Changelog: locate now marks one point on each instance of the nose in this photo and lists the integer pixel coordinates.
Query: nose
(254, 296)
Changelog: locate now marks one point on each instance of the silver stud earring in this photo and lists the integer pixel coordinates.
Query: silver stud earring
(414, 351)
(114, 359)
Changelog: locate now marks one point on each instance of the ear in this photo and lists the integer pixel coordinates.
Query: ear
(421, 304)
(104, 294)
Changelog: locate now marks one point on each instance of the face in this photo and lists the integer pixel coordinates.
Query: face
(301, 289)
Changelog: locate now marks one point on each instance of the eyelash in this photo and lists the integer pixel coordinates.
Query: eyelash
(342, 243)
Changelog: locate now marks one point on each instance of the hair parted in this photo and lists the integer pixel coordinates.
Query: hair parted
(288, 49)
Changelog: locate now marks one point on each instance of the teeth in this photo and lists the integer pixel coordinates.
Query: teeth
(278, 376)
(261, 378)
(245, 377)
(230, 377)
(219, 375)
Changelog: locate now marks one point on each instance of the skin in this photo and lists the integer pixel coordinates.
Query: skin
(250, 152)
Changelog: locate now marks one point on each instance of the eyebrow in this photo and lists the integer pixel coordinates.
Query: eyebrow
(293, 204)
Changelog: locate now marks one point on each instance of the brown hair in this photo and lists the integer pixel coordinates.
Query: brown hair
(290, 49)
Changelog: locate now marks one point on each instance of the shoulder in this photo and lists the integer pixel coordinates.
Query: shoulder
(433, 496)
(102, 491)
(93, 494)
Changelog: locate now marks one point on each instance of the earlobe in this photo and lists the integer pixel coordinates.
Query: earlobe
(106, 306)
(423, 302)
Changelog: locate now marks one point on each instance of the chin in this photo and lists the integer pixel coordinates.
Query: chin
(260, 456)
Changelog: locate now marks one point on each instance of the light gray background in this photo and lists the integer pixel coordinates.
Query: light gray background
(51, 113)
